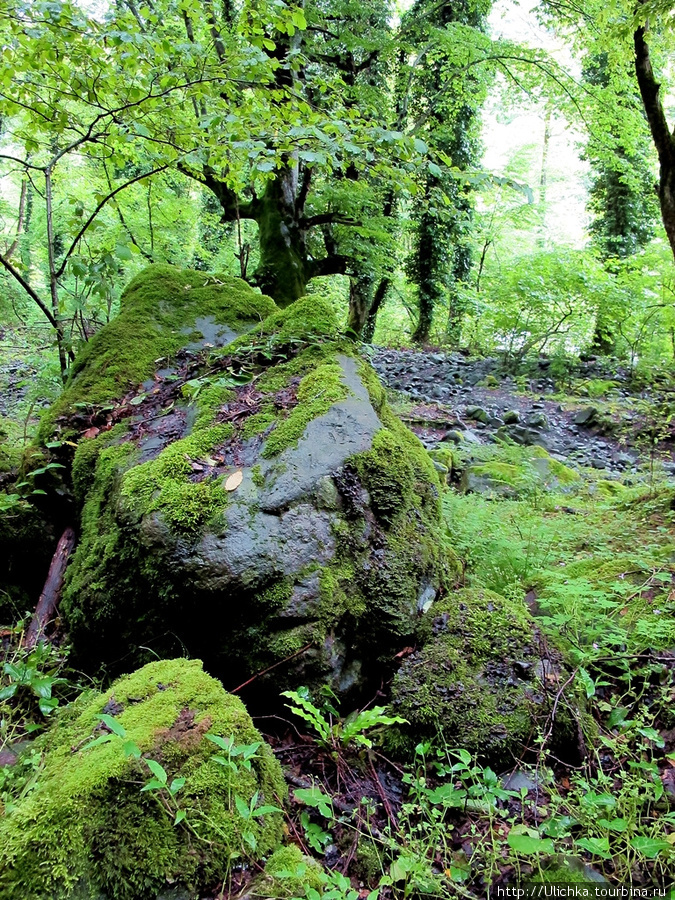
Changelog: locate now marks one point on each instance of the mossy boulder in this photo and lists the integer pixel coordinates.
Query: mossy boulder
(518, 473)
(163, 310)
(485, 680)
(288, 873)
(259, 504)
(88, 830)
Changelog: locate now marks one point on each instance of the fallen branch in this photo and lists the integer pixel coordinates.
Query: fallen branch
(269, 668)
(51, 592)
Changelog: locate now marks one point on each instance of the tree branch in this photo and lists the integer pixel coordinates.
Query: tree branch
(78, 236)
(330, 218)
(329, 265)
(29, 290)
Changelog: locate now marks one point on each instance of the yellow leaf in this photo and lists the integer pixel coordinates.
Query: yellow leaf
(234, 481)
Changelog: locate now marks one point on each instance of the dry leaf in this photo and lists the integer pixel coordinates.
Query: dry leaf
(91, 432)
(234, 481)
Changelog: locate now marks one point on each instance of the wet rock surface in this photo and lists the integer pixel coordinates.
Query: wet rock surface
(462, 401)
(264, 485)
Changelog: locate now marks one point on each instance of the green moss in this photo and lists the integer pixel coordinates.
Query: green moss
(257, 476)
(288, 873)
(317, 392)
(211, 400)
(476, 681)
(500, 472)
(382, 590)
(309, 317)
(610, 489)
(165, 485)
(88, 450)
(257, 424)
(157, 311)
(88, 820)
(554, 469)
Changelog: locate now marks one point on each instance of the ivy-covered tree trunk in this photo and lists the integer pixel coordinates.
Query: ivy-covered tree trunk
(427, 270)
(378, 302)
(283, 270)
(441, 256)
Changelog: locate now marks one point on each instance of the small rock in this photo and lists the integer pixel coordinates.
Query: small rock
(477, 413)
(585, 416)
(537, 420)
(511, 417)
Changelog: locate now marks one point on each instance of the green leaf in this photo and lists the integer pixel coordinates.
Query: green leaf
(596, 846)
(176, 785)
(250, 839)
(180, 817)
(102, 739)
(317, 799)
(113, 725)
(617, 717)
(153, 785)
(157, 770)
(242, 808)
(131, 749)
(47, 705)
(527, 844)
(42, 687)
(587, 682)
(649, 847)
(8, 692)
(265, 810)
(652, 735)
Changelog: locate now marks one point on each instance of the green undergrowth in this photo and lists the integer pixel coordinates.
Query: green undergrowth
(598, 566)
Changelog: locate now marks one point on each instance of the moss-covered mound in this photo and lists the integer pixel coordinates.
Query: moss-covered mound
(89, 827)
(485, 680)
(269, 490)
(517, 472)
(162, 310)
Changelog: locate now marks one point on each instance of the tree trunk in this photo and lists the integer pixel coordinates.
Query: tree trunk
(283, 270)
(375, 307)
(428, 272)
(360, 299)
(658, 125)
(53, 279)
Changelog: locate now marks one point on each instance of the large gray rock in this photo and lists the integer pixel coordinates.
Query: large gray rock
(322, 554)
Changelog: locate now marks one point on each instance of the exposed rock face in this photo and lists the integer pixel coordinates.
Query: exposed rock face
(88, 832)
(323, 556)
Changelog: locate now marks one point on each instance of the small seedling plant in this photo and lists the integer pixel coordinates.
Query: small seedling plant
(233, 757)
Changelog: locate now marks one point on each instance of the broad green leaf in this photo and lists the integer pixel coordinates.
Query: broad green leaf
(157, 770)
(112, 723)
(649, 847)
